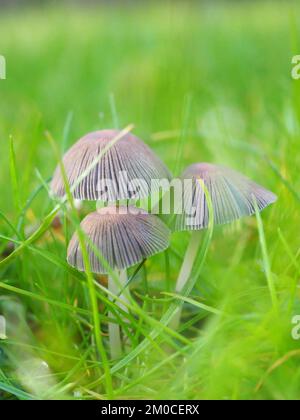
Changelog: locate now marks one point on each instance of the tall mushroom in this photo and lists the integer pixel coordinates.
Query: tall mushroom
(124, 236)
(232, 195)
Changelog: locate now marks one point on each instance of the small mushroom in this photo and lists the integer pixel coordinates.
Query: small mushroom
(232, 195)
(120, 164)
(124, 236)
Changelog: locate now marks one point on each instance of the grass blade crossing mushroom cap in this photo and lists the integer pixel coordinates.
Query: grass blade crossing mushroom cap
(127, 155)
(232, 196)
(124, 237)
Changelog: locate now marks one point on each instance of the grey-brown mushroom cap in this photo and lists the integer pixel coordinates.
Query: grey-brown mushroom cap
(232, 194)
(128, 155)
(122, 236)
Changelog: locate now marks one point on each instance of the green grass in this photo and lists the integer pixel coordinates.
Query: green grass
(199, 83)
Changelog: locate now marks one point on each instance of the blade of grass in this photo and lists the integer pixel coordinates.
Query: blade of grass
(27, 206)
(16, 392)
(14, 176)
(40, 298)
(195, 303)
(66, 130)
(266, 260)
(34, 237)
(11, 226)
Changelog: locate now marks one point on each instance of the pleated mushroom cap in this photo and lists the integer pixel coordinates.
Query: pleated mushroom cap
(128, 155)
(232, 196)
(123, 238)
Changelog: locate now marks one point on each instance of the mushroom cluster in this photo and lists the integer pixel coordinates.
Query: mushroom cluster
(113, 167)
(110, 166)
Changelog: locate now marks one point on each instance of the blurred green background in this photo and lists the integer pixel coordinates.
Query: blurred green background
(215, 75)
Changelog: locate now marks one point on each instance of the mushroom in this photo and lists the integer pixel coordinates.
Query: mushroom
(120, 164)
(123, 236)
(232, 195)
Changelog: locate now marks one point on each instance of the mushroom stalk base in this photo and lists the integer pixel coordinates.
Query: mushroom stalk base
(185, 272)
(115, 342)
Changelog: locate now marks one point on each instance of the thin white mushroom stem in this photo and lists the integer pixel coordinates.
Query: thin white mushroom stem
(189, 260)
(185, 272)
(115, 342)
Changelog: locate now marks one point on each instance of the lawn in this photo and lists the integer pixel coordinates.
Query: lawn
(200, 82)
